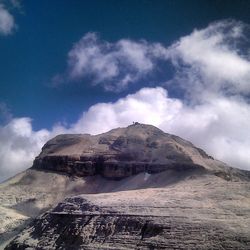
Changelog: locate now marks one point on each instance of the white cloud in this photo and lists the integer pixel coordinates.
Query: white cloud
(212, 58)
(213, 55)
(19, 146)
(7, 23)
(114, 65)
(148, 105)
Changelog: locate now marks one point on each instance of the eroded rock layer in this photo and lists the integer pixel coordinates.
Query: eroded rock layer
(191, 214)
(124, 152)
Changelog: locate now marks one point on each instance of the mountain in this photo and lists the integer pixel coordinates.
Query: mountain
(129, 188)
(124, 152)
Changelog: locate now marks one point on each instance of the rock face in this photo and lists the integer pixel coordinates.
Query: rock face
(129, 188)
(124, 152)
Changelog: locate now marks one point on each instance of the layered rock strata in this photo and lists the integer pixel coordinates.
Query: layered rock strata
(124, 152)
(190, 214)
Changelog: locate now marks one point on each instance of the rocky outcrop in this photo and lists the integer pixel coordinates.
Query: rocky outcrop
(108, 168)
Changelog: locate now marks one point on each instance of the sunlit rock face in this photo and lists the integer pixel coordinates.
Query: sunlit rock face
(123, 152)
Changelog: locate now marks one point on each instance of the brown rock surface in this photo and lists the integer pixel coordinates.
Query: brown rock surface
(124, 152)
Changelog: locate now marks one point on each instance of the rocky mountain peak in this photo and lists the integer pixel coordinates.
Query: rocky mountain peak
(123, 152)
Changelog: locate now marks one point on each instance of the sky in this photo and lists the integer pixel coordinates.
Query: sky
(90, 66)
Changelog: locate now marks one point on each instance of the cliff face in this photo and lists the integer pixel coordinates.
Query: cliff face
(123, 152)
(129, 188)
(117, 154)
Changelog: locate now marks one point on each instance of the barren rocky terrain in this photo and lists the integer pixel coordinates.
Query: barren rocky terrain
(130, 188)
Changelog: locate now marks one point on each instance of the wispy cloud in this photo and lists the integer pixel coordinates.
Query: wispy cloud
(16, 4)
(5, 113)
(7, 22)
(113, 65)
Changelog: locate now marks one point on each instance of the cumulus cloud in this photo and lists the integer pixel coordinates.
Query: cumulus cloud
(19, 145)
(214, 59)
(148, 105)
(114, 65)
(7, 22)
(214, 54)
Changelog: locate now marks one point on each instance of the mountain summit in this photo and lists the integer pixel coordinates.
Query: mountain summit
(130, 188)
(123, 152)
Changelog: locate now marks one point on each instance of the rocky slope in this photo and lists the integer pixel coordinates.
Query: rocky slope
(193, 212)
(130, 188)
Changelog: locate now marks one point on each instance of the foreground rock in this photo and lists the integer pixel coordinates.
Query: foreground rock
(130, 188)
(197, 212)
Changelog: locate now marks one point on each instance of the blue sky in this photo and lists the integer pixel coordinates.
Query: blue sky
(46, 31)
(88, 66)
